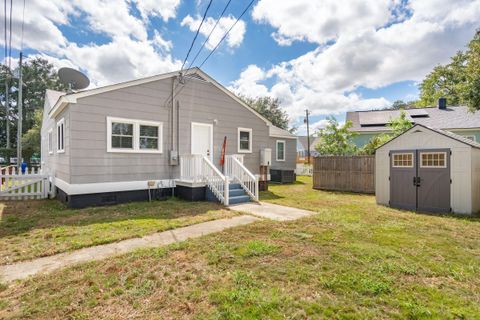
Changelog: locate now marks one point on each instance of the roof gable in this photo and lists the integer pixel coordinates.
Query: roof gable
(447, 134)
(193, 73)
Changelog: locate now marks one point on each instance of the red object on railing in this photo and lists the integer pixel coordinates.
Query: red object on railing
(224, 147)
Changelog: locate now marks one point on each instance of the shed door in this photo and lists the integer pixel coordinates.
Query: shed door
(433, 180)
(403, 172)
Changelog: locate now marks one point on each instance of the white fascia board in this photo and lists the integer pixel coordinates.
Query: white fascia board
(283, 137)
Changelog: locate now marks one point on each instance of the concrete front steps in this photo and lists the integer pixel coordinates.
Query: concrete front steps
(236, 194)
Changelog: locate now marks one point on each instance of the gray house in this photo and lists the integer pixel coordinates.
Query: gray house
(139, 139)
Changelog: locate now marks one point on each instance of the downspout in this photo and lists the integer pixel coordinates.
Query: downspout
(178, 127)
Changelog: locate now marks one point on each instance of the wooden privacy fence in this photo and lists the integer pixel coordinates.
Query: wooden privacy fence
(344, 173)
(31, 184)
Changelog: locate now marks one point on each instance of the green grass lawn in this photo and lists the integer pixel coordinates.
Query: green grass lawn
(30, 229)
(354, 260)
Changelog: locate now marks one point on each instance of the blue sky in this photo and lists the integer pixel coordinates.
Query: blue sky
(329, 56)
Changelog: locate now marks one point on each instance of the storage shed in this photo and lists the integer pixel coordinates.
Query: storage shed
(429, 170)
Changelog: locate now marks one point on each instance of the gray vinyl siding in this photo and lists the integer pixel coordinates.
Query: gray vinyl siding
(290, 154)
(57, 163)
(199, 102)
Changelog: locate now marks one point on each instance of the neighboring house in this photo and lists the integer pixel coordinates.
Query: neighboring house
(302, 150)
(126, 141)
(458, 120)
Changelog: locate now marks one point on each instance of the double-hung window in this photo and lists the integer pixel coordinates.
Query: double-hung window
(280, 150)
(244, 140)
(61, 136)
(127, 135)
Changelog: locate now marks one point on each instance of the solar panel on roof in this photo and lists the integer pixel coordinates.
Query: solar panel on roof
(377, 118)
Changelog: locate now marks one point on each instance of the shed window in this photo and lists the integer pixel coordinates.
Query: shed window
(433, 159)
(471, 137)
(127, 135)
(61, 136)
(402, 160)
(280, 150)
(244, 140)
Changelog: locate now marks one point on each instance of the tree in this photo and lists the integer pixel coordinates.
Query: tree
(397, 126)
(335, 139)
(269, 108)
(458, 81)
(31, 140)
(38, 75)
(399, 104)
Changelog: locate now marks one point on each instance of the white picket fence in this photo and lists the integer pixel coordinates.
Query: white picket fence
(32, 184)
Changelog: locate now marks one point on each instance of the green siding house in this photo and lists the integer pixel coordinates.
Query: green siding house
(458, 120)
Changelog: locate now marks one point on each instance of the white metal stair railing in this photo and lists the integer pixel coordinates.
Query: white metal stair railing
(216, 181)
(191, 168)
(235, 169)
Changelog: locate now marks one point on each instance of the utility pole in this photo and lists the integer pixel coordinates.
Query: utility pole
(307, 113)
(20, 113)
(7, 108)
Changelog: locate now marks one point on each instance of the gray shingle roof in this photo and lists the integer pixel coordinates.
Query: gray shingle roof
(279, 132)
(450, 118)
(442, 132)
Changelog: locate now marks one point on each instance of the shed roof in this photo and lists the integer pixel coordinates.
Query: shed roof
(448, 134)
(280, 133)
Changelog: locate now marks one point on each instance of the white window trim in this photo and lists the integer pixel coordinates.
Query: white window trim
(61, 122)
(276, 150)
(433, 167)
(403, 153)
(250, 141)
(136, 135)
(50, 141)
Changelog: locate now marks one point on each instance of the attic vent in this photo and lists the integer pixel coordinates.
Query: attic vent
(419, 115)
(195, 76)
(373, 125)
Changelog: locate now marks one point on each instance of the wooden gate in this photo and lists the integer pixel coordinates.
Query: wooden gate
(31, 184)
(344, 173)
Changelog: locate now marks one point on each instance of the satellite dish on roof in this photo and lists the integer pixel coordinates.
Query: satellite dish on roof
(74, 79)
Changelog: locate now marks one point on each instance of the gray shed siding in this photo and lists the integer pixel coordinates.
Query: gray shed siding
(199, 102)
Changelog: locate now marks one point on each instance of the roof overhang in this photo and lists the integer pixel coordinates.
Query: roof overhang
(65, 100)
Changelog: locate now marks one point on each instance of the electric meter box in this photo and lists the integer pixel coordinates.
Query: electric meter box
(266, 157)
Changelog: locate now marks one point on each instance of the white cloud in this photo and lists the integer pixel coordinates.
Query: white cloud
(320, 21)
(234, 38)
(165, 9)
(369, 43)
(129, 53)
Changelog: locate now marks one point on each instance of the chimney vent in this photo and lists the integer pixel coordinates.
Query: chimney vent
(442, 103)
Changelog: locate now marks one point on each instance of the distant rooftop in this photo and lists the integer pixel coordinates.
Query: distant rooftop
(439, 118)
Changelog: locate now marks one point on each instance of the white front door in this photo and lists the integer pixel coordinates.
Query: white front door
(202, 139)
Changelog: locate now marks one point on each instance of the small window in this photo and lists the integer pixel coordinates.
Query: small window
(244, 140)
(61, 136)
(127, 135)
(402, 160)
(122, 135)
(280, 150)
(50, 141)
(471, 137)
(149, 137)
(433, 159)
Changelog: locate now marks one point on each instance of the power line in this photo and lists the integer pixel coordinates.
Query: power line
(210, 34)
(10, 38)
(226, 34)
(23, 24)
(196, 34)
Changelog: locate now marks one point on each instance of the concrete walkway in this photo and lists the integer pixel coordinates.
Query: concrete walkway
(25, 269)
(272, 211)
